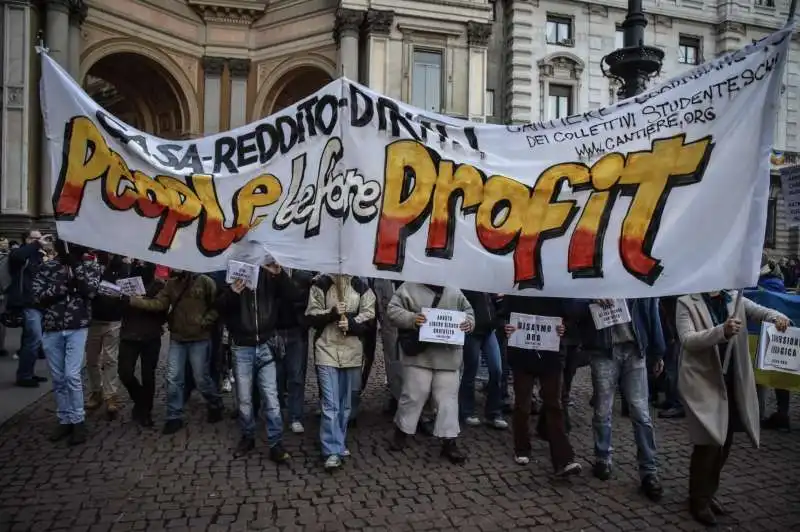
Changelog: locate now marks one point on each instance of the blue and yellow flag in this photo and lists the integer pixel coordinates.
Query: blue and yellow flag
(788, 304)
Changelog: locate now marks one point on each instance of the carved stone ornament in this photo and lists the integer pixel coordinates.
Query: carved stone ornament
(78, 10)
(731, 27)
(348, 21)
(478, 33)
(378, 21)
(213, 65)
(601, 11)
(560, 68)
(239, 68)
(661, 20)
(243, 12)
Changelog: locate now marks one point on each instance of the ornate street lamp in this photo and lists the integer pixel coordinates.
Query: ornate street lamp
(635, 63)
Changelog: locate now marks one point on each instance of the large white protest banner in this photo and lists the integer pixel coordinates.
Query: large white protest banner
(664, 193)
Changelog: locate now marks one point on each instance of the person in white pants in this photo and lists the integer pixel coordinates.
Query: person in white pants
(429, 370)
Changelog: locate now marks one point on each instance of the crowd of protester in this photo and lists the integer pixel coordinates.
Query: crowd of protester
(260, 341)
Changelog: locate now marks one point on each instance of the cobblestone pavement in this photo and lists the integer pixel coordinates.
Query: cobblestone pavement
(127, 478)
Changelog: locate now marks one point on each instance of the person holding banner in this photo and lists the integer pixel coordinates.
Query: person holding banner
(718, 386)
(251, 316)
(140, 341)
(535, 328)
(341, 309)
(429, 369)
(627, 338)
(189, 300)
(63, 289)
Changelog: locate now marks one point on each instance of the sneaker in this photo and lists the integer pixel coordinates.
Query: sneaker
(27, 383)
(37, 378)
(652, 488)
(602, 470)
(60, 432)
(278, 454)
(451, 451)
(227, 387)
(333, 462)
(245, 446)
(672, 413)
(472, 421)
(78, 435)
(522, 459)
(172, 426)
(297, 427)
(346, 453)
(497, 423)
(572, 468)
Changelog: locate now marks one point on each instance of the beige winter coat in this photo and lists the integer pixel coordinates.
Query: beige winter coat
(700, 379)
(332, 347)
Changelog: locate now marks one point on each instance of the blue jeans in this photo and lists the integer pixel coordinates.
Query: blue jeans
(472, 356)
(336, 389)
(31, 343)
(64, 352)
(294, 366)
(257, 363)
(627, 364)
(197, 353)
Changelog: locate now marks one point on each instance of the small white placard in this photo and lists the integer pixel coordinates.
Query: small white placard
(442, 326)
(109, 289)
(535, 332)
(131, 286)
(614, 314)
(242, 271)
(779, 351)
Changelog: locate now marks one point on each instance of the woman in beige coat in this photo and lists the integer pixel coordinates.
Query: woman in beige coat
(717, 404)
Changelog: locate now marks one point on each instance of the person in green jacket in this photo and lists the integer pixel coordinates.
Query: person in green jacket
(190, 300)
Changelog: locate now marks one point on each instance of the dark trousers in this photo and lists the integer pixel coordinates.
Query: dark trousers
(705, 467)
(142, 393)
(561, 452)
(782, 398)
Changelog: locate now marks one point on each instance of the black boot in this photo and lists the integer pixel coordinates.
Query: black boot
(60, 432)
(776, 421)
(245, 446)
(399, 440)
(172, 426)
(702, 513)
(145, 419)
(451, 452)
(214, 414)
(78, 435)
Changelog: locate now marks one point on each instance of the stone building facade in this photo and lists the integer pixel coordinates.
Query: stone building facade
(186, 68)
(554, 51)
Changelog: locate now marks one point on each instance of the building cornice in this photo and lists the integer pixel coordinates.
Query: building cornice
(239, 12)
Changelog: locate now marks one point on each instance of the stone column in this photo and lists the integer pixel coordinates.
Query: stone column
(212, 74)
(56, 39)
(377, 27)
(345, 31)
(478, 34)
(77, 15)
(239, 69)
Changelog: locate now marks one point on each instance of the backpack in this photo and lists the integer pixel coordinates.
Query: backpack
(6, 279)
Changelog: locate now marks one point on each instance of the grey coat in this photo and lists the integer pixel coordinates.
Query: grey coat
(700, 379)
(407, 302)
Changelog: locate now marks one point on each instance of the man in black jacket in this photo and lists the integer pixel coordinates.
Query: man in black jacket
(102, 344)
(140, 338)
(293, 330)
(23, 264)
(546, 366)
(251, 317)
